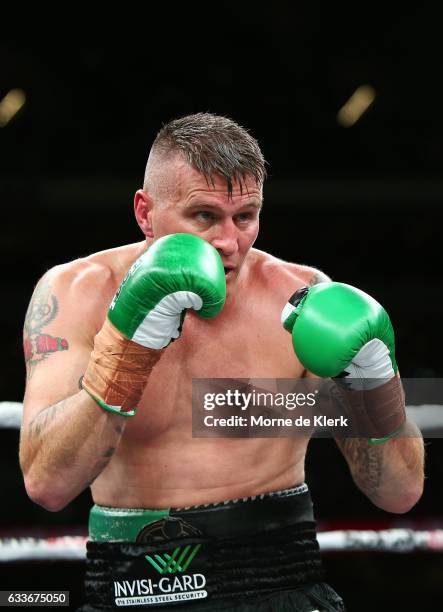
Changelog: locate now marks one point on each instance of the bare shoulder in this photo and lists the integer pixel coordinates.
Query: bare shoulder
(73, 288)
(93, 277)
(78, 276)
(78, 290)
(66, 310)
(279, 274)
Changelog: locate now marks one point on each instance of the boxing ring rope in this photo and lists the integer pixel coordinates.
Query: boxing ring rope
(428, 417)
(73, 548)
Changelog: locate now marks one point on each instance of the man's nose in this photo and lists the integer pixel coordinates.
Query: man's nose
(225, 238)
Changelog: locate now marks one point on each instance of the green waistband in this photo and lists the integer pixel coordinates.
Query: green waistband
(221, 519)
(120, 524)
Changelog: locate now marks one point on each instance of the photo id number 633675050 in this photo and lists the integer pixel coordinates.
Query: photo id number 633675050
(22, 598)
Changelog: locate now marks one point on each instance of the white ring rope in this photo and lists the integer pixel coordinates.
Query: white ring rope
(68, 548)
(10, 415)
(73, 548)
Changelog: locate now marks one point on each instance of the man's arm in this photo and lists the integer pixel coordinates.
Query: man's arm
(391, 474)
(66, 438)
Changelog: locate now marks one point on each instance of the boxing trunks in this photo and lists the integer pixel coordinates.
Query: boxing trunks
(256, 553)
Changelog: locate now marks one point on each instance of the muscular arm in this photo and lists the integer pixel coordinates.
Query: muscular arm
(65, 447)
(66, 440)
(390, 474)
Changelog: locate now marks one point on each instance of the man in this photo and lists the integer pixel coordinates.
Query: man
(222, 522)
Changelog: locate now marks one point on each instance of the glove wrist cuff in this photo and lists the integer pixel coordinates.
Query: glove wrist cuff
(118, 370)
(115, 409)
(378, 413)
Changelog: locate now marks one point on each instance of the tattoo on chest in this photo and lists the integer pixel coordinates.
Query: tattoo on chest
(42, 310)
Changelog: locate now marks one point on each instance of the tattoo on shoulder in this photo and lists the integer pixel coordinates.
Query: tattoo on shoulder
(38, 345)
(319, 277)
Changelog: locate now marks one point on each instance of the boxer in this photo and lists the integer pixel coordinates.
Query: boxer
(183, 522)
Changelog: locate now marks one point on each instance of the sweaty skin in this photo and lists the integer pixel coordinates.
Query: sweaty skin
(151, 460)
(158, 462)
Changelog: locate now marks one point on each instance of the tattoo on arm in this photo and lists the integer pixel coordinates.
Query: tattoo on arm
(101, 464)
(43, 418)
(365, 461)
(42, 310)
(109, 452)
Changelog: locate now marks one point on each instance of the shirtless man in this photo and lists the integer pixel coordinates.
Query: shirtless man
(151, 481)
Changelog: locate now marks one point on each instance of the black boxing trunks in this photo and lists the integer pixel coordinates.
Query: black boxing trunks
(256, 553)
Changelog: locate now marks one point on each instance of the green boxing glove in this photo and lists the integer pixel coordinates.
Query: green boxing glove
(177, 272)
(341, 332)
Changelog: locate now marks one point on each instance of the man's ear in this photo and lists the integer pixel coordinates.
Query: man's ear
(143, 212)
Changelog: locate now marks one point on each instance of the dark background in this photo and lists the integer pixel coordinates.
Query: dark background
(361, 203)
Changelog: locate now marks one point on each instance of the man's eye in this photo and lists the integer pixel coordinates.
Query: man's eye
(242, 217)
(204, 215)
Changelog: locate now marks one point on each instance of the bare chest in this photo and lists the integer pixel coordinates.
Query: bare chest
(244, 346)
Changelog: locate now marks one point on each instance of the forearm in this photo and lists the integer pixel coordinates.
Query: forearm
(65, 447)
(390, 474)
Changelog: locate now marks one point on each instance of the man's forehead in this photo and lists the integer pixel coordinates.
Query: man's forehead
(192, 184)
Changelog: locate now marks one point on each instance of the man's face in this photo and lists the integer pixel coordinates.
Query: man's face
(189, 205)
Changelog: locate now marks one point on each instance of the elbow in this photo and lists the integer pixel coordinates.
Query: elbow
(40, 490)
(44, 496)
(402, 503)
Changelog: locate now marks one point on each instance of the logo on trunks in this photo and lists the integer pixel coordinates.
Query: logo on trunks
(173, 563)
(168, 589)
(165, 530)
